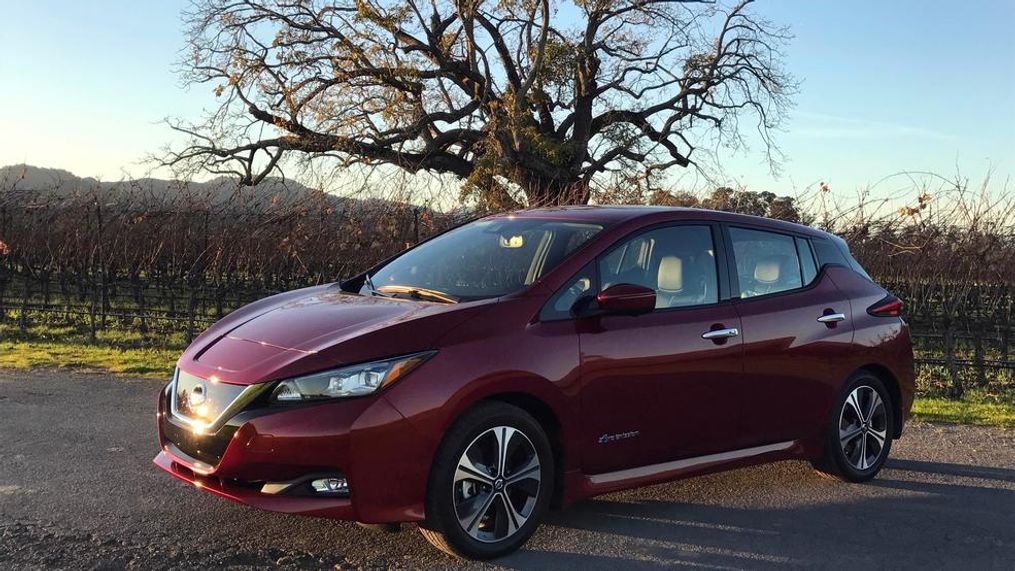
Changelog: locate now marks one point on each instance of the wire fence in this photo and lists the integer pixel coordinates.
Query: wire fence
(164, 263)
(146, 259)
(973, 349)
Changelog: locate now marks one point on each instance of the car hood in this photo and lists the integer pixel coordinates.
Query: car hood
(313, 321)
(270, 338)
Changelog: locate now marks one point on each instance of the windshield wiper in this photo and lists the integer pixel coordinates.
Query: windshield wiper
(370, 285)
(419, 293)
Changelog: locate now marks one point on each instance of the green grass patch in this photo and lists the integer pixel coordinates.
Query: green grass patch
(76, 335)
(121, 352)
(140, 362)
(970, 410)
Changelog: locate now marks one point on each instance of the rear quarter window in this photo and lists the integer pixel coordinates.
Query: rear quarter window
(857, 267)
(827, 252)
(807, 266)
(835, 251)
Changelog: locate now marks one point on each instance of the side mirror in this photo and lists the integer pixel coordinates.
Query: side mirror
(629, 299)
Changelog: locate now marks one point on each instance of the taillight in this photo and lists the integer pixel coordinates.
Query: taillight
(889, 306)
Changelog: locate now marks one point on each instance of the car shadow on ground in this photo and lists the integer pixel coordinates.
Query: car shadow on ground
(931, 524)
(985, 472)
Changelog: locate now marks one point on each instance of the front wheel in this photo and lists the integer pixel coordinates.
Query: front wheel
(859, 434)
(490, 484)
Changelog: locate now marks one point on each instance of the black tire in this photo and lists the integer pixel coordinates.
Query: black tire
(442, 527)
(850, 440)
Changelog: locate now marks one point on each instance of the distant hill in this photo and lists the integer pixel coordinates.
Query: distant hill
(40, 181)
(33, 185)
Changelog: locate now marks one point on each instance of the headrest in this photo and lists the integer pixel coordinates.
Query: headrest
(768, 270)
(671, 273)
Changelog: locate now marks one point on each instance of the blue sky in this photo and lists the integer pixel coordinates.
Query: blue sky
(886, 87)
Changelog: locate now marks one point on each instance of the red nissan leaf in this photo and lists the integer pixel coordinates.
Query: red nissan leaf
(530, 360)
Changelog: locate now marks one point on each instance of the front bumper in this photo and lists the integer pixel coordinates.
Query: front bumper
(335, 508)
(384, 459)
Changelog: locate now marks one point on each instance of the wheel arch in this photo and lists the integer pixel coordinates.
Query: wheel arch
(550, 422)
(540, 407)
(892, 384)
(434, 525)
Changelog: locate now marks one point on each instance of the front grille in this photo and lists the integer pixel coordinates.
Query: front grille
(207, 448)
(179, 434)
(201, 402)
(204, 434)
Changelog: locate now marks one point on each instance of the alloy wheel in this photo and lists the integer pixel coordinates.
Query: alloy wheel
(863, 427)
(496, 484)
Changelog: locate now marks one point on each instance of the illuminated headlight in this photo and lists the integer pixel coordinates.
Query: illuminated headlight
(351, 381)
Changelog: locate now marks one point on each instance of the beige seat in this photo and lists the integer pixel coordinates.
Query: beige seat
(768, 270)
(772, 274)
(669, 281)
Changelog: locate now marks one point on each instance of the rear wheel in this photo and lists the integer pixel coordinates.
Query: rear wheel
(490, 484)
(858, 437)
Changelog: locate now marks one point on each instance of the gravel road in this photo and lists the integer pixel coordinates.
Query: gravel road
(78, 490)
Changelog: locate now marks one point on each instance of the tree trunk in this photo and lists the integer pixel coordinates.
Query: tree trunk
(541, 192)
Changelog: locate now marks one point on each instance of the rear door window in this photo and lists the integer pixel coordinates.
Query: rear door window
(766, 262)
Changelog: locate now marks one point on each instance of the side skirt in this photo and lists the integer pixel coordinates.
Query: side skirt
(596, 484)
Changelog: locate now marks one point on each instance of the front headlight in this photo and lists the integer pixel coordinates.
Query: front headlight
(356, 380)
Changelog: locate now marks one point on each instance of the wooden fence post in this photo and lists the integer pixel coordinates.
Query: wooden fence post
(44, 284)
(102, 268)
(981, 373)
(25, 295)
(91, 314)
(956, 390)
(1003, 334)
(105, 298)
(65, 295)
(139, 300)
(3, 290)
(191, 311)
(219, 296)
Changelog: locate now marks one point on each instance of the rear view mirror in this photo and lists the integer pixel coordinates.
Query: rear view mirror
(512, 241)
(629, 299)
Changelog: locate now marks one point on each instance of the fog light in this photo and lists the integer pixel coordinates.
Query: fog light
(330, 486)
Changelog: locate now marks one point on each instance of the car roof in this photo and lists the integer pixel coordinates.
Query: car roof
(612, 215)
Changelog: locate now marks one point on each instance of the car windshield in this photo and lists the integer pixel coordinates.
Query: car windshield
(483, 259)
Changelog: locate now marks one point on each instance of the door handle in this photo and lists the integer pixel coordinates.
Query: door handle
(832, 318)
(721, 333)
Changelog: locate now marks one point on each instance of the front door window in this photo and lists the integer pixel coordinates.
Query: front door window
(678, 262)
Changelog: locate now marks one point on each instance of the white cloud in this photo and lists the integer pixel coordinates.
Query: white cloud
(808, 124)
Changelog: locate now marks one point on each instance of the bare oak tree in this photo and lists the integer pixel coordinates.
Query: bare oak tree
(516, 97)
